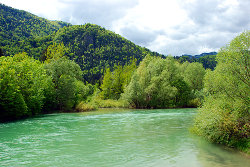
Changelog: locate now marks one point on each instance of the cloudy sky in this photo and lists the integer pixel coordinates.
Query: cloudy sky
(167, 26)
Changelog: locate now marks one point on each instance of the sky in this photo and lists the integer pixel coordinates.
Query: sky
(173, 27)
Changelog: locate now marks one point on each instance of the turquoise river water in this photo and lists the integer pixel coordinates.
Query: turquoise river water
(112, 138)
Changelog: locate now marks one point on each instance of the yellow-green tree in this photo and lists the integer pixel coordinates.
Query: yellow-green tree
(114, 83)
(23, 83)
(55, 52)
(107, 84)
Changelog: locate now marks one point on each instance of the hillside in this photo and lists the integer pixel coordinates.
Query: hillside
(208, 60)
(200, 55)
(19, 28)
(94, 48)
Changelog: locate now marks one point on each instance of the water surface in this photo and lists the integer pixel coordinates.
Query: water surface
(126, 138)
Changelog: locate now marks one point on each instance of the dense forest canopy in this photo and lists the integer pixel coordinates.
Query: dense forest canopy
(30, 87)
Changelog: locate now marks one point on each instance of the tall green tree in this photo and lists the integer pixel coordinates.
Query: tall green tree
(64, 73)
(107, 84)
(224, 118)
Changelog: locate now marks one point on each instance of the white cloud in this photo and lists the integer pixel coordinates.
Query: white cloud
(155, 15)
(167, 26)
(43, 8)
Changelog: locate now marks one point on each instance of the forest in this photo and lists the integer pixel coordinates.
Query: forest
(55, 66)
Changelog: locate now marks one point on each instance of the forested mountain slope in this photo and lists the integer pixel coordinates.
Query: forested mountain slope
(20, 30)
(94, 48)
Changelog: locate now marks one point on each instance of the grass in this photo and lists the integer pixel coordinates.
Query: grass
(82, 107)
(109, 103)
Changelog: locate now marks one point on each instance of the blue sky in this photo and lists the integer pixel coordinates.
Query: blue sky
(173, 27)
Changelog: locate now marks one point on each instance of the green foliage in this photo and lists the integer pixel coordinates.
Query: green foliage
(96, 49)
(114, 82)
(82, 91)
(23, 84)
(157, 83)
(54, 51)
(193, 74)
(107, 84)
(66, 75)
(208, 61)
(29, 87)
(224, 118)
(21, 31)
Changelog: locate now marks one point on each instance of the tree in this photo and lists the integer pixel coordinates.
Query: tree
(193, 74)
(224, 118)
(65, 92)
(157, 83)
(114, 83)
(64, 73)
(55, 51)
(23, 82)
(107, 84)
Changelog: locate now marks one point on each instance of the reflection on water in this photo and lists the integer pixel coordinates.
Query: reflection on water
(111, 138)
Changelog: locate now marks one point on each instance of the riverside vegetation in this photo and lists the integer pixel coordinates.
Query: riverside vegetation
(224, 117)
(58, 66)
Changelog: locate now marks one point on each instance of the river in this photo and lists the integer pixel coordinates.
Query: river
(112, 138)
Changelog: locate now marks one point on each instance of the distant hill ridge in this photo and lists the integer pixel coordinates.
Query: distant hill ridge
(207, 59)
(200, 55)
